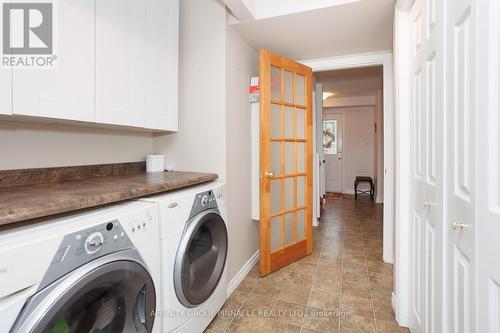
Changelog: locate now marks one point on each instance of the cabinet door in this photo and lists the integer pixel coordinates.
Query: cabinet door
(66, 91)
(120, 62)
(162, 39)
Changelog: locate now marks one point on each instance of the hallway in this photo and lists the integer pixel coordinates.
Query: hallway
(343, 286)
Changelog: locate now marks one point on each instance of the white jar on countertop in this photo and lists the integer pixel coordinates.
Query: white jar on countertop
(155, 163)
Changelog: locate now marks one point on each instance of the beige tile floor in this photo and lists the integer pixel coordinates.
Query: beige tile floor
(343, 286)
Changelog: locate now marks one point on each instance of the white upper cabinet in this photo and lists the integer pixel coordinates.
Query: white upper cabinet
(120, 62)
(116, 65)
(162, 39)
(66, 91)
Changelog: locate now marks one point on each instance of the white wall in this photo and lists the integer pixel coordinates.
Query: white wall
(214, 116)
(27, 145)
(200, 143)
(358, 144)
(242, 63)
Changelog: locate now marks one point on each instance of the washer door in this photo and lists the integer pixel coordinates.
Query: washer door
(115, 297)
(201, 258)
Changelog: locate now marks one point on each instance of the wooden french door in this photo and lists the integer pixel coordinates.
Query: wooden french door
(286, 161)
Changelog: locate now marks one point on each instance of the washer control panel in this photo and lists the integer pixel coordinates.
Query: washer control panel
(85, 245)
(202, 201)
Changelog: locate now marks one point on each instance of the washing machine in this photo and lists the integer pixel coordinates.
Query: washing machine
(96, 271)
(194, 244)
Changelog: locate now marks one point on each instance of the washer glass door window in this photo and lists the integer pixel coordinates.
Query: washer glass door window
(201, 258)
(115, 297)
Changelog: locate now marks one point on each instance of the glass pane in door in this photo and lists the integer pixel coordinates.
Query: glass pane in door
(301, 191)
(275, 83)
(276, 233)
(288, 120)
(300, 90)
(289, 191)
(276, 197)
(301, 217)
(301, 123)
(301, 158)
(276, 123)
(288, 81)
(289, 158)
(330, 136)
(276, 158)
(289, 228)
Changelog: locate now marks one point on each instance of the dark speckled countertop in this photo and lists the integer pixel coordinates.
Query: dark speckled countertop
(34, 193)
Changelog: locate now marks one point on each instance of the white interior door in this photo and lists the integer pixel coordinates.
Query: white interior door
(460, 220)
(427, 165)
(332, 147)
(488, 229)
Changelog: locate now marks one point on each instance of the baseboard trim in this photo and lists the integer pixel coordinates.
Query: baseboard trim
(394, 304)
(236, 280)
(403, 322)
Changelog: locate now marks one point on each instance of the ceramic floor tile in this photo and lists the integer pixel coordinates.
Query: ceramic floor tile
(290, 313)
(357, 324)
(323, 298)
(390, 328)
(357, 306)
(295, 293)
(345, 275)
(274, 326)
(321, 319)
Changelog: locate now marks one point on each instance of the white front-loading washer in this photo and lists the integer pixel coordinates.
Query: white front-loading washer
(194, 244)
(96, 271)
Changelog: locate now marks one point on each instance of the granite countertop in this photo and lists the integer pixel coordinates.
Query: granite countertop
(45, 192)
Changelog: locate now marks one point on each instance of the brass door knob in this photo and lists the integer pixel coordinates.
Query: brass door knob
(429, 204)
(459, 226)
(269, 174)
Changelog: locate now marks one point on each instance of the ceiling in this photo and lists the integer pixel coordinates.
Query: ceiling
(357, 27)
(352, 82)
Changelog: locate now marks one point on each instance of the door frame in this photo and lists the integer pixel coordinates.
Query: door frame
(383, 59)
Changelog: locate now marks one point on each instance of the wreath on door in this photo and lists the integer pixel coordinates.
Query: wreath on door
(328, 139)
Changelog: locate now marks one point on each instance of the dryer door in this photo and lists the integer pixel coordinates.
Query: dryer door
(201, 258)
(117, 296)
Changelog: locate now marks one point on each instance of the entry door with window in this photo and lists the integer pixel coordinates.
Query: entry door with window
(286, 161)
(332, 148)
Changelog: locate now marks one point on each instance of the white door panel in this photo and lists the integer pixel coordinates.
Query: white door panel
(333, 157)
(488, 229)
(427, 103)
(461, 164)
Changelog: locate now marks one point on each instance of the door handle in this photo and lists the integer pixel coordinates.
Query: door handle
(459, 226)
(339, 156)
(268, 174)
(429, 204)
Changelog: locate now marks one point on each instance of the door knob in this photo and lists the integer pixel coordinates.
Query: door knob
(269, 174)
(459, 226)
(429, 204)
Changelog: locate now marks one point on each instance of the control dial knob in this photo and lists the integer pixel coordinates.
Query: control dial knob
(204, 200)
(94, 243)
